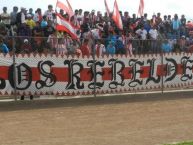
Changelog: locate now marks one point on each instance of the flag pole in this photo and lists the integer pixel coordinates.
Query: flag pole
(56, 6)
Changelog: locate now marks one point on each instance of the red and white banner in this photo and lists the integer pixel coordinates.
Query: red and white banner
(61, 75)
(64, 25)
(141, 8)
(107, 8)
(117, 17)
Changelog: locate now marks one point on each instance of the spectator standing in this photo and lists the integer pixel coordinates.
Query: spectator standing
(38, 15)
(176, 27)
(153, 33)
(20, 19)
(5, 17)
(13, 15)
(183, 25)
(92, 18)
(31, 12)
(44, 22)
(142, 35)
(80, 17)
(49, 13)
(30, 22)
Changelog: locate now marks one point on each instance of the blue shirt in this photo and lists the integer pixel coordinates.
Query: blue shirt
(166, 47)
(4, 48)
(110, 49)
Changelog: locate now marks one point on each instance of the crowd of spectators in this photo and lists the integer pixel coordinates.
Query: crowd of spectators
(28, 31)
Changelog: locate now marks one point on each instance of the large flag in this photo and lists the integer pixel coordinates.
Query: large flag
(107, 8)
(141, 8)
(64, 25)
(117, 17)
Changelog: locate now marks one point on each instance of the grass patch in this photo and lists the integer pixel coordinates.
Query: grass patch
(182, 143)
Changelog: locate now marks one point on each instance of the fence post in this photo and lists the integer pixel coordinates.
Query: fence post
(14, 69)
(94, 58)
(162, 63)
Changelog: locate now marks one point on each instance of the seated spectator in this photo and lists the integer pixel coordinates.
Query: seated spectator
(120, 48)
(166, 47)
(49, 29)
(85, 48)
(26, 47)
(73, 48)
(111, 48)
(3, 47)
(38, 37)
(182, 43)
(53, 41)
(190, 48)
(176, 45)
(100, 48)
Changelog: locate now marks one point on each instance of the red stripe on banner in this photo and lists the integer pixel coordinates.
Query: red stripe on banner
(61, 74)
(180, 69)
(35, 74)
(4, 72)
(126, 73)
(145, 71)
(107, 74)
(161, 70)
(85, 75)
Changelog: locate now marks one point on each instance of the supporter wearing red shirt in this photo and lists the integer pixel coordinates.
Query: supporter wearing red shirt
(84, 48)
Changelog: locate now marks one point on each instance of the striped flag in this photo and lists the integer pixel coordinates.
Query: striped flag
(71, 12)
(64, 25)
(107, 8)
(67, 9)
(141, 8)
(117, 17)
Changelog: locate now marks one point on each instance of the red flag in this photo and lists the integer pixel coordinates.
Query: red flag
(141, 8)
(62, 6)
(63, 25)
(71, 12)
(117, 17)
(107, 8)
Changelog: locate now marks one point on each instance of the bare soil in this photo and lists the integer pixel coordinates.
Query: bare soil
(119, 120)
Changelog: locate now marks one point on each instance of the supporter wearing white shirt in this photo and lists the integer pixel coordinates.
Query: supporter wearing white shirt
(5, 17)
(153, 36)
(49, 13)
(142, 33)
(153, 33)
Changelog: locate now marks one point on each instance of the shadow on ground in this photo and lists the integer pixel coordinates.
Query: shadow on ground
(76, 102)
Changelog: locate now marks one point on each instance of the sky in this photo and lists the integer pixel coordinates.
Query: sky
(151, 6)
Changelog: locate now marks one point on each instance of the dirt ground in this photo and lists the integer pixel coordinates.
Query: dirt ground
(121, 120)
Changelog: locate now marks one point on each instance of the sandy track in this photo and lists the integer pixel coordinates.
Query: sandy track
(125, 120)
